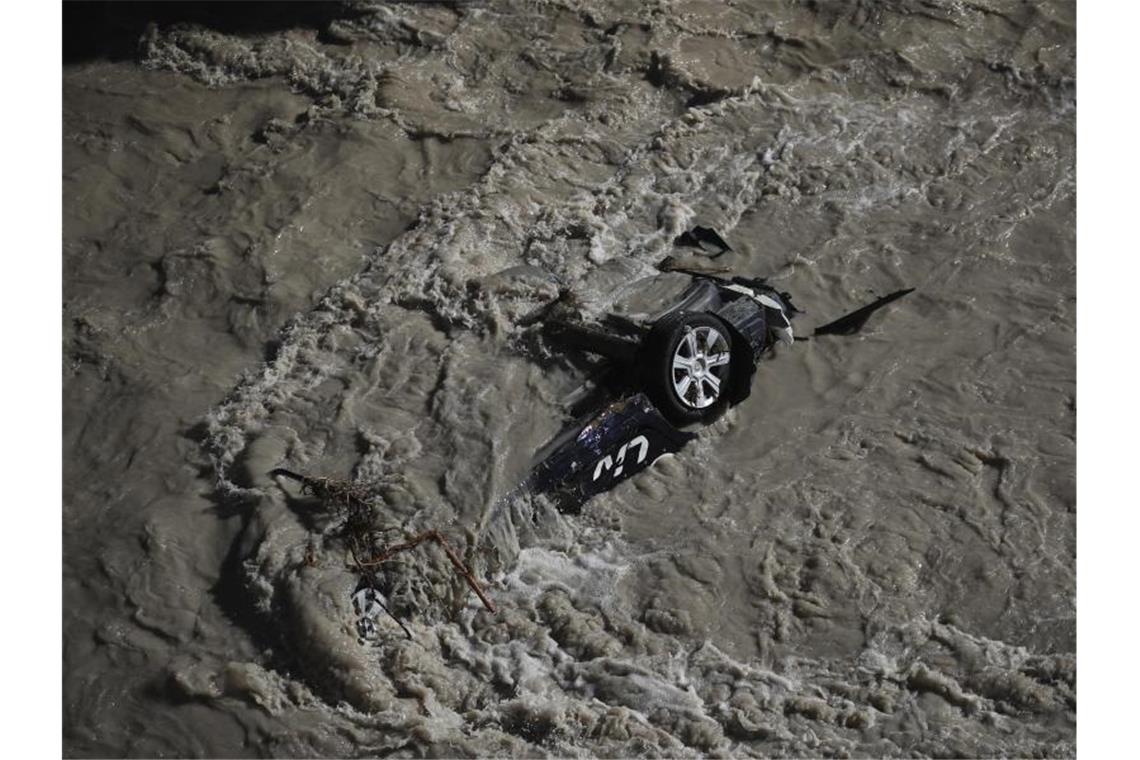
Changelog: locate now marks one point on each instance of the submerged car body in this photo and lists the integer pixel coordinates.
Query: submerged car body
(682, 346)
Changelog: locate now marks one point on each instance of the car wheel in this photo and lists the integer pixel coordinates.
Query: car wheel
(687, 363)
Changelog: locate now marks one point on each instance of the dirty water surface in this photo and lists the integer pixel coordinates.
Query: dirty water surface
(324, 246)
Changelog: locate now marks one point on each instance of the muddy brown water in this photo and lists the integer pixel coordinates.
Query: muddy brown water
(301, 247)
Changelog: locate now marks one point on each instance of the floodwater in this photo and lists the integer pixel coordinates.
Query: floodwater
(300, 247)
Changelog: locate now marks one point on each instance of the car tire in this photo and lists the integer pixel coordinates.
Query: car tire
(687, 366)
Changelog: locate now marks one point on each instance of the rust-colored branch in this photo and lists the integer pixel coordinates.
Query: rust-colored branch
(433, 535)
(359, 528)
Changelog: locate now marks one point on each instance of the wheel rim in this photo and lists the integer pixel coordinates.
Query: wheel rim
(700, 364)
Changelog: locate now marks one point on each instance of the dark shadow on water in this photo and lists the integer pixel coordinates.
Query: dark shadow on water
(112, 30)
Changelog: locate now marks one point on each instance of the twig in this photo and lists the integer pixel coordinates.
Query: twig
(359, 529)
(387, 553)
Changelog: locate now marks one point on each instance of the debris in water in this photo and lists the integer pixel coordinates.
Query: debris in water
(366, 544)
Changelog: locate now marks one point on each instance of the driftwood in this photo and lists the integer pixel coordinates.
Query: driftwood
(365, 544)
(387, 552)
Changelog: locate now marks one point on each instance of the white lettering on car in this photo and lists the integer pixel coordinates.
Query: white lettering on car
(607, 462)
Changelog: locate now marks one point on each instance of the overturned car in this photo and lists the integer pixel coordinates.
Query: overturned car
(681, 345)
